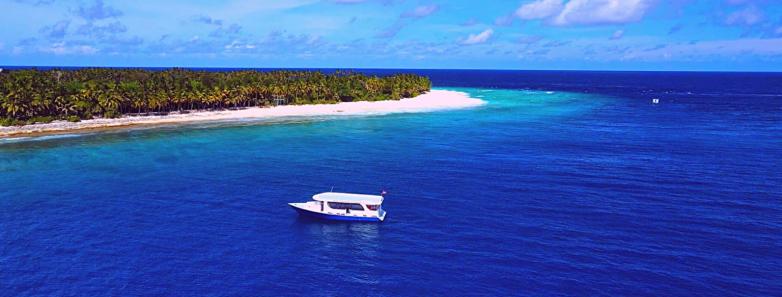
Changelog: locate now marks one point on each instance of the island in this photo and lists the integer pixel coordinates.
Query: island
(36, 101)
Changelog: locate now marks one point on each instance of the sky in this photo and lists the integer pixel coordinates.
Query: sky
(673, 35)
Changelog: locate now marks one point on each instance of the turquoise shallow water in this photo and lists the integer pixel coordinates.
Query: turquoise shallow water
(538, 192)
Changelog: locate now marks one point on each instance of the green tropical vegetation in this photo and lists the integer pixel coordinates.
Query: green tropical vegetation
(35, 96)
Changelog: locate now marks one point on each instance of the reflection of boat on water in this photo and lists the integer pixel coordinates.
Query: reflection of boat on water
(343, 207)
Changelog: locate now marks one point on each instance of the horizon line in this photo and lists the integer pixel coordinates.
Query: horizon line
(386, 68)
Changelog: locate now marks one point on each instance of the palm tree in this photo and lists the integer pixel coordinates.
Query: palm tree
(113, 92)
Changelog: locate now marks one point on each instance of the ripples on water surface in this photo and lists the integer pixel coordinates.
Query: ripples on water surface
(553, 191)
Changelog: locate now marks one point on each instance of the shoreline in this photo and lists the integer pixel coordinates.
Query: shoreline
(434, 100)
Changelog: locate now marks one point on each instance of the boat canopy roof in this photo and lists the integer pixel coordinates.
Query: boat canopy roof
(348, 198)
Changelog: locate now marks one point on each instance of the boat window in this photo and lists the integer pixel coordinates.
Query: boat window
(351, 206)
(373, 207)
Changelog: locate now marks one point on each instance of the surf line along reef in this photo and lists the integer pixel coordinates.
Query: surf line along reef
(34, 97)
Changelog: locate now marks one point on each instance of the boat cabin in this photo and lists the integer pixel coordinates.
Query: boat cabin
(344, 206)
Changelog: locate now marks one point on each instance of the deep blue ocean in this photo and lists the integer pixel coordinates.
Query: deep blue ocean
(563, 184)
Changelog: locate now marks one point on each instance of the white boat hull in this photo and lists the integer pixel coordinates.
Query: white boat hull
(314, 210)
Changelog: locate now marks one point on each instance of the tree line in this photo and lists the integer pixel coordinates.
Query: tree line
(35, 96)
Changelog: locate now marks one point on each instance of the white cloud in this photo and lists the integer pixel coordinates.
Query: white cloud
(406, 18)
(597, 12)
(236, 45)
(421, 11)
(746, 17)
(479, 38)
(585, 12)
(539, 9)
(62, 48)
(207, 20)
(618, 34)
(97, 11)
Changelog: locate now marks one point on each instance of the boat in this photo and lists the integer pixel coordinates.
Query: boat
(343, 207)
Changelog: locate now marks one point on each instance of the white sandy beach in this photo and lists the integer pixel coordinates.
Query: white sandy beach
(431, 101)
